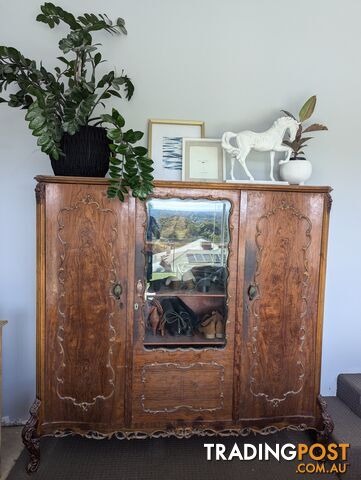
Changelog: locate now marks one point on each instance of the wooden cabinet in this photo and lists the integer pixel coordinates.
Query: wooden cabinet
(126, 291)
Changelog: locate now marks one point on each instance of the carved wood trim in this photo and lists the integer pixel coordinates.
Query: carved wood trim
(257, 392)
(31, 439)
(141, 292)
(328, 425)
(40, 192)
(197, 365)
(184, 432)
(329, 202)
(88, 200)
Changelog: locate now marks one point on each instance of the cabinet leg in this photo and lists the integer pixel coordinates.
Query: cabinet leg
(31, 439)
(323, 436)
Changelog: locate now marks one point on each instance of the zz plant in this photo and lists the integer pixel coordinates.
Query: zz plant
(63, 101)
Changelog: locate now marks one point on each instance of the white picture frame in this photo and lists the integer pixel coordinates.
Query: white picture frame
(165, 145)
(203, 160)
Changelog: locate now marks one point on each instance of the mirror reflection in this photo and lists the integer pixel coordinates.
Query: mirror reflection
(187, 245)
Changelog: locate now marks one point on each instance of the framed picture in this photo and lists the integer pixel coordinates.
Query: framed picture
(203, 160)
(165, 145)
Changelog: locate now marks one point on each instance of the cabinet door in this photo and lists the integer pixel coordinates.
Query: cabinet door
(277, 354)
(85, 318)
(186, 267)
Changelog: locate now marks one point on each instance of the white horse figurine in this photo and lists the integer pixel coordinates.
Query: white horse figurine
(268, 141)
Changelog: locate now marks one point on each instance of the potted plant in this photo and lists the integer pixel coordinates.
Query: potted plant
(60, 106)
(299, 169)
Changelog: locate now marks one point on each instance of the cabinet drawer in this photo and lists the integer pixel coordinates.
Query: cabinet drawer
(170, 387)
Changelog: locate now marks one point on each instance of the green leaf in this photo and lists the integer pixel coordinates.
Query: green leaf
(141, 151)
(132, 137)
(308, 108)
(118, 118)
(122, 149)
(14, 54)
(115, 161)
(129, 88)
(148, 169)
(64, 60)
(114, 134)
(107, 118)
(43, 140)
(53, 152)
(105, 95)
(316, 127)
(42, 18)
(78, 106)
(138, 135)
(111, 192)
(37, 122)
(147, 176)
(97, 58)
(114, 175)
(114, 93)
(52, 15)
(45, 124)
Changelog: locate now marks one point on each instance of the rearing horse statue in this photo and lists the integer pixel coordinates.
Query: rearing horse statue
(268, 141)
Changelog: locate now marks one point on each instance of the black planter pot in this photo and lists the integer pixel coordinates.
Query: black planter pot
(86, 154)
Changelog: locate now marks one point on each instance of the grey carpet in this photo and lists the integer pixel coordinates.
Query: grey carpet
(347, 430)
(349, 390)
(74, 458)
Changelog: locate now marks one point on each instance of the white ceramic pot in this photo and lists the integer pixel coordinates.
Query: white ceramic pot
(296, 172)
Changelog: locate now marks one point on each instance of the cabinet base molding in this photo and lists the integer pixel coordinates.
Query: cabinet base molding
(31, 440)
(185, 432)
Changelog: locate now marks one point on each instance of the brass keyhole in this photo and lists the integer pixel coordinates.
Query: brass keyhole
(252, 292)
(117, 291)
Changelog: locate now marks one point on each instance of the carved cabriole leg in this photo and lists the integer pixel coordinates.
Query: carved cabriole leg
(323, 435)
(31, 439)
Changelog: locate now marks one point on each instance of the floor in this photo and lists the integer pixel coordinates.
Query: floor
(10, 449)
(75, 458)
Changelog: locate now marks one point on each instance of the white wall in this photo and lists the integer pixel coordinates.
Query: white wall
(233, 64)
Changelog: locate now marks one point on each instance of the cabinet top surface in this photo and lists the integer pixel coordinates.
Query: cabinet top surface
(191, 185)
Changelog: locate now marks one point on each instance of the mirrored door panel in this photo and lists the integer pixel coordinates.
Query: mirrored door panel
(186, 257)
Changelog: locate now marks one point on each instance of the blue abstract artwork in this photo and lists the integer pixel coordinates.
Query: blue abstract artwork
(172, 153)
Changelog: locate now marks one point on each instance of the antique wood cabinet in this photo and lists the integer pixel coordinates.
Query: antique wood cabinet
(198, 311)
